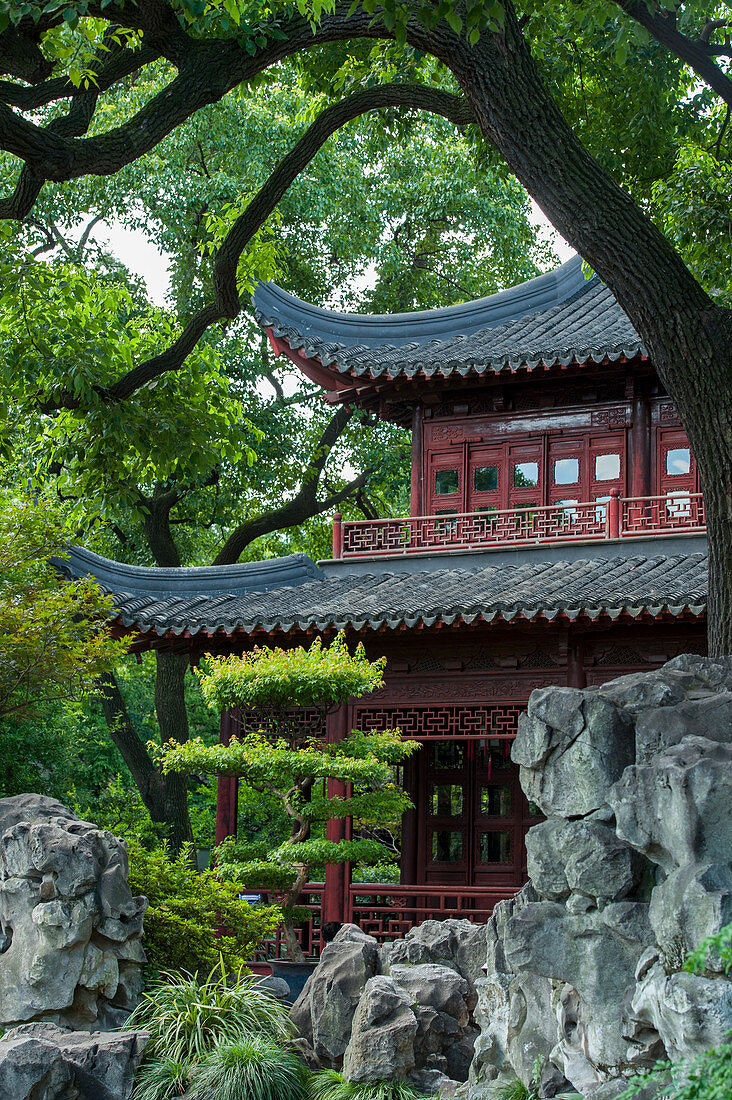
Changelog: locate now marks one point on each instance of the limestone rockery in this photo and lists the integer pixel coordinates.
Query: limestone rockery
(578, 980)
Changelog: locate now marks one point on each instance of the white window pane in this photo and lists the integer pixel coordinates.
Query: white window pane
(566, 471)
(607, 467)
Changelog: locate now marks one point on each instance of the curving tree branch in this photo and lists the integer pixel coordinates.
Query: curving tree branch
(227, 304)
(698, 53)
(305, 504)
(207, 70)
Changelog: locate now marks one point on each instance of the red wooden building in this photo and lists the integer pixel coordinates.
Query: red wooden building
(556, 536)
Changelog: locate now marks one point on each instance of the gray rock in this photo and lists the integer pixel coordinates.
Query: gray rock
(676, 810)
(70, 925)
(442, 1002)
(457, 944)
(595, 953)
(40, 1061)
(381, 1046)
(691, 904)
(323, 1013)
(278, 987)
(581, 857)
(709, 715)
(691, 1014)
(572, 746)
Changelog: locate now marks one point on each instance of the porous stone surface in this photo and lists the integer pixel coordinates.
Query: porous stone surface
(323, 1013)
(40, 1061)
(381, 1046)
(70, 930)
(579, 973)
(572, 746)
(401, 1010)
(629, 872)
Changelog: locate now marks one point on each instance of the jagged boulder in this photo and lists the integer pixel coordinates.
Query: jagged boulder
(633, 866)
(323, 1013)
(581, 857)
(572, 746)
(40, 1061)
(691, 904)
(70, 928)
(676, 810)
(690, 1013)
(381, 1045)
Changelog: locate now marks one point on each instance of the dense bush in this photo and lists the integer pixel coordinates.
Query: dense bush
(188, 909)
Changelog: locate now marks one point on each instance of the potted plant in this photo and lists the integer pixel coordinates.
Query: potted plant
(271, 681)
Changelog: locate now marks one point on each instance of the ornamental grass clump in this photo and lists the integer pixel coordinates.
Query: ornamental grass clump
(362, 764)
(250, 1068)
(216, 1029)
(331, 1085)
(187, 1017)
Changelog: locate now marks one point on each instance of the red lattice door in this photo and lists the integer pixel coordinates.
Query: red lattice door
(677, 473)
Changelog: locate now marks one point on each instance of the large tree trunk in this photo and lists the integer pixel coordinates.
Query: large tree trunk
(164, 797)
(170, 707)
(688, 337)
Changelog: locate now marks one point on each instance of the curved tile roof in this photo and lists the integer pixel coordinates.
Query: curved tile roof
(206, 582)
(592, 589)
(556, 319)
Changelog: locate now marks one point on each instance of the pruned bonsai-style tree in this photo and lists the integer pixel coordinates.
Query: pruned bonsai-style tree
(274, 681)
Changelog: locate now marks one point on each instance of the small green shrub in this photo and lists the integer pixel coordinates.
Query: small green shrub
(187, 1017)
(253, 1067)
(188, 909)
(512, 1090)
(331, 1085)
(161, 1079)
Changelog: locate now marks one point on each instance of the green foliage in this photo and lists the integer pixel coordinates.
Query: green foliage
(215, 1024)
(511, 1090)
(54, 640)
(186, 1016)
(718, 946)
(187, 909)
(250, 1068)
(160, 1079)
(706, 1077)
(315, 677)
(363, 762)
(329, 1084)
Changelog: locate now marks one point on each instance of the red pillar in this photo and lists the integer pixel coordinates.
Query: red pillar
(416, 502)
(576, 674)
(640, 448)
(336, 884)
(337, 536)
(227, 788)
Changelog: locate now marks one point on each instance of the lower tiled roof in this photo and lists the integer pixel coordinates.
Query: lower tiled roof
(593, 589)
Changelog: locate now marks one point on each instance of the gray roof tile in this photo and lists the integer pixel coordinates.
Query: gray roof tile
(557, 319)
(589, 588)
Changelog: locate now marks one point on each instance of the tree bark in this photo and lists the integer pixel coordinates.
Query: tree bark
(688, 337)
(170, 708)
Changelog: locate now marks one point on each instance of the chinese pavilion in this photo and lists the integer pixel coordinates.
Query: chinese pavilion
(556, 536)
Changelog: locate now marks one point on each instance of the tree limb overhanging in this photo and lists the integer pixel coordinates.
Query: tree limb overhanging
(305, 503)
(227, 303)
(697, 53)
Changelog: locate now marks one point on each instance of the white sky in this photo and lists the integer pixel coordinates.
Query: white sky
(132, 247)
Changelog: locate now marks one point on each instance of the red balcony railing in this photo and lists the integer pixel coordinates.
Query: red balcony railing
(388, 912)
(615, 517)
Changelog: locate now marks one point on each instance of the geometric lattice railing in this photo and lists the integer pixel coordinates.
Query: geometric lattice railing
(613, 517)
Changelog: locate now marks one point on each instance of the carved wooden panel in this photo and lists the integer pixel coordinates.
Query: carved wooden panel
(440, 722)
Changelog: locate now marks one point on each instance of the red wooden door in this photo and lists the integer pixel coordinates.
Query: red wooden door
(476, 815)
